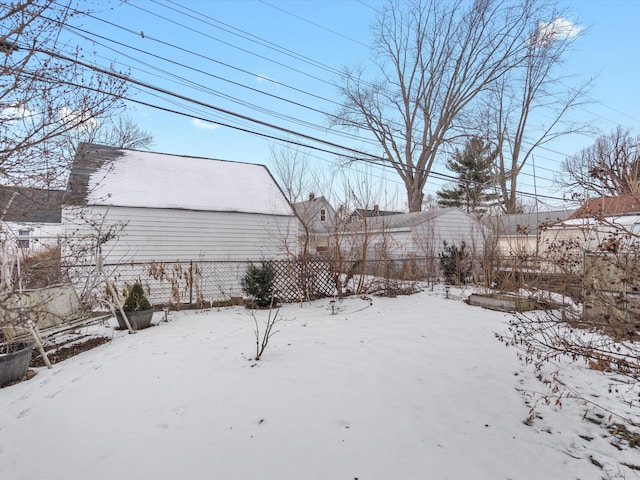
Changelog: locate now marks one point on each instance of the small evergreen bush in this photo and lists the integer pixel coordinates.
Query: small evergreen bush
(259, 283)
(136, 299)
(455, 263)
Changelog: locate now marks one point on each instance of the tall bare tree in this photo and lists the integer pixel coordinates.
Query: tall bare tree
(528, 107)
(433, 59)
(609, 167)
(44, 92)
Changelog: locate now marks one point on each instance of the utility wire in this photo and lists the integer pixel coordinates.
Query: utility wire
(354, 154)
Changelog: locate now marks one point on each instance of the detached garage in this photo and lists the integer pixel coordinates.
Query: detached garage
(153, 208)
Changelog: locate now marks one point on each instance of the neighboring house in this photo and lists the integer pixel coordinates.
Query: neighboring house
(518, 234)
(591, 227)
(154, 207)
(30, 223)
(600, 244)
(31, 217)
(316, 224)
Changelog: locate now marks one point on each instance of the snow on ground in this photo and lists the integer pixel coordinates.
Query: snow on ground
(413, 387)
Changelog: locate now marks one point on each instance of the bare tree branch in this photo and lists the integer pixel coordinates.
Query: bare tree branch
(433, 60)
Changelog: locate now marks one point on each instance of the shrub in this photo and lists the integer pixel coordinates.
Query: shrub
(455, 263)
(136, 299)
(259, 283)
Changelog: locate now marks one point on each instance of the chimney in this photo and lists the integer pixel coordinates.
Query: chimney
(312, 196)
(376, 209)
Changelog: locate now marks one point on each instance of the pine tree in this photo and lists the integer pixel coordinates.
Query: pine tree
(473, 168)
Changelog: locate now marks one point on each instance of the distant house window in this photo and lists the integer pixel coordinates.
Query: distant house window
(323, 215)
(322, 244)
(23, 238)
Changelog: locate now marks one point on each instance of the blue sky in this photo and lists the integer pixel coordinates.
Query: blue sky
(276, 61)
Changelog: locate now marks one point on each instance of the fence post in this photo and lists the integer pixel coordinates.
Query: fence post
(191, 282)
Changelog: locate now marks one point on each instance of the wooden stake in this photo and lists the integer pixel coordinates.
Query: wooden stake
(36, 337)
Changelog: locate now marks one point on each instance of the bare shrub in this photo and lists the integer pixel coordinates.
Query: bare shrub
(263, 337)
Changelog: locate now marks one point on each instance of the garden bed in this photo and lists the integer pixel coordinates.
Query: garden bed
(503, 302)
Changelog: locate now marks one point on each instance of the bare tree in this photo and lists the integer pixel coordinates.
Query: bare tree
(610, 167)
(528, 106)
(298, 180)
(433, 60)
(44, 92)
(355, 234)
(120, 131)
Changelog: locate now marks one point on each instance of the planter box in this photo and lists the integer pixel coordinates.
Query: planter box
(502, 302)
(138, 319)
(14, 365)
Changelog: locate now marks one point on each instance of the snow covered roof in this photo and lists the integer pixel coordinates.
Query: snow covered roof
(625, 221)
(130, 178)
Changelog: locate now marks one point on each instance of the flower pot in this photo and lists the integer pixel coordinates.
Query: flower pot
(139, 319)
(14, 365)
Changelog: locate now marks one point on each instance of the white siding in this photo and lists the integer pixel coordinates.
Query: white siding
(427, 237)
(41, 236)
(158, 235)
(422, 236)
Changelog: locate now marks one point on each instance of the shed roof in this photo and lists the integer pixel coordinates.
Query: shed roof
(30, 205)
(112, 176)
(528, 223)
(409, 220)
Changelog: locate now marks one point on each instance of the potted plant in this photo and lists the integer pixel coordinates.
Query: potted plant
(14, 360)
(137, 309)
(15, 344)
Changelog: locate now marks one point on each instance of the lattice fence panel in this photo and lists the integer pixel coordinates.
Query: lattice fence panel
(198, 282)
(309, 280)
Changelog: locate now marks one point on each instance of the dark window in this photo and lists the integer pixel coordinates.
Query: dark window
(23, 238)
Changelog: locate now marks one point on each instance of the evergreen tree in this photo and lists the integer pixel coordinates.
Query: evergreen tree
(473, 167)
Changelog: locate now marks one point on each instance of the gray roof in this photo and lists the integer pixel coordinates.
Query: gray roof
(89, 159)
(30, 205)
(408, 220)
(312, 206)
(527, 223)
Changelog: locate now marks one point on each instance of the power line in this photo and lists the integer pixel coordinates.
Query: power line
(297, 132)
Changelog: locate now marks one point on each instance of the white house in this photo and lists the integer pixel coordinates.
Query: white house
(153, 207)
(316, 224)
(30, 223)
(604, 224)
(518, 234)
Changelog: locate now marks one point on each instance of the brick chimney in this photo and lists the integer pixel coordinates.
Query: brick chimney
(312, 196)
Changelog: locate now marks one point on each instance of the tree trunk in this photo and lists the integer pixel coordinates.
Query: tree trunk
(414, 198)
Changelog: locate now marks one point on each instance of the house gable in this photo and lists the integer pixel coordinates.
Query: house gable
(316, 213)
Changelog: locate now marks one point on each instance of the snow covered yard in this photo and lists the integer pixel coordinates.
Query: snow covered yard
(412, 387)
